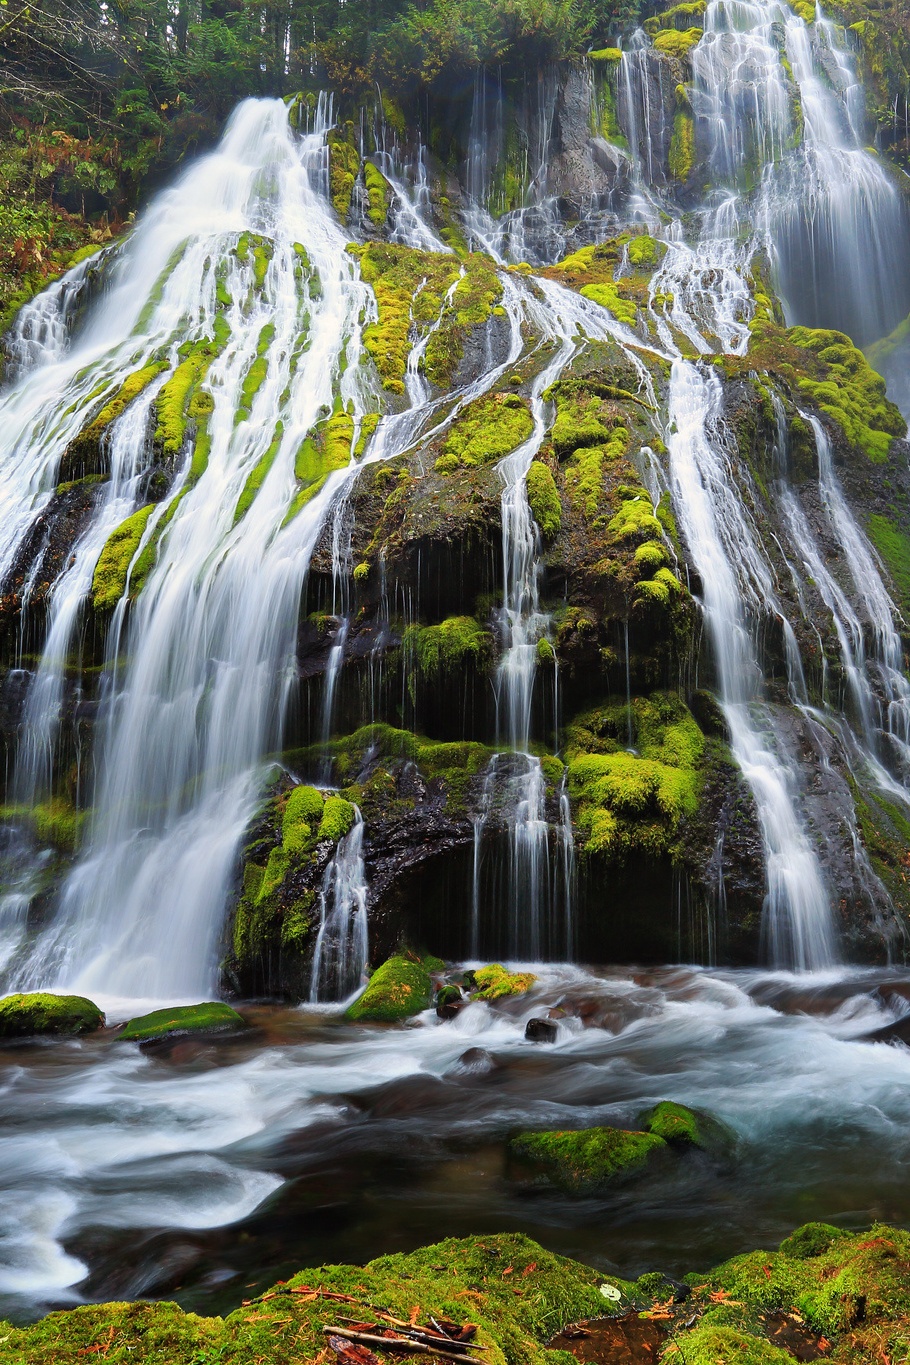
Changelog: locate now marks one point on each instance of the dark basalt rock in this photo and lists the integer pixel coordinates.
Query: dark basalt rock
(541, 1031)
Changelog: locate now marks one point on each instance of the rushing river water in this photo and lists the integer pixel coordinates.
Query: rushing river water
(205, 1170)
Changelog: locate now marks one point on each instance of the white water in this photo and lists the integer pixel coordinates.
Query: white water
(738, 594)
(120, 1142)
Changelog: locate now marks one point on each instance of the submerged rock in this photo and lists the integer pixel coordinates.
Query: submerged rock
(211, 1017)
(541, 1031)
(585, 1162)
(24, 1016)
(399, 988)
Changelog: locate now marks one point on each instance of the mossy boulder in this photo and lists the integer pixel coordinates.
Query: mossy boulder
(398, 989)
(683, 1127)
(493, 982)
(587, 1161)
(28, 1015)
(211, 1017)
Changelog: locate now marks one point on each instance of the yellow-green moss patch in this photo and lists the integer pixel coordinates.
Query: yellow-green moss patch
(112, 569)
(587, 1161)
(486, 430)
(493, 982)
(398, 989)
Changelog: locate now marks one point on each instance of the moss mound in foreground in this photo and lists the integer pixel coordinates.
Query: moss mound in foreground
(469, 1280)
(24, 1016)
(853, 1297)
(585, 1162)
(211, 1017)
(399, 988)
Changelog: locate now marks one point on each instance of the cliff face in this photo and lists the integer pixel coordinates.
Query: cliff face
(508, 635)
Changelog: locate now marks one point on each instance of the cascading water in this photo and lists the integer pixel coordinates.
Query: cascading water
(342, 943)
(736, 584)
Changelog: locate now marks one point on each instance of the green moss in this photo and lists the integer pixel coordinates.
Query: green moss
(486, 430)
(255, 376)
(327, 448)
(398, 989)
(711, 1345)
(637, 801)
(173, 401)
(608, 296)
(493, 982)
(472, 1279)
(24, 1016)
(448, 647)
(850, 391)
(893, 545)
(682, 143)
(683, 1127)
(337, 818)
(608, 55)
(344, 166)
(543, 499)
(677, 42)
(211, 1017)
(678, 16)
(812, 1239)
(587, 1161)
(258, 474)
(379, 194)
(635, 517)
(646, 252)
(410, 287)
(85, 449)
(110, 577)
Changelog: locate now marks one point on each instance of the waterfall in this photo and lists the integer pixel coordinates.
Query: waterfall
(737, 591)
(779, 113)
(342, 944)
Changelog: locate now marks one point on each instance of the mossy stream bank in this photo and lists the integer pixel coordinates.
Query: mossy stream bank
(825, 1293)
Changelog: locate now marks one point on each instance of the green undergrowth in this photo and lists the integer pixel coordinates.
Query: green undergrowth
(585, 1162)
(471, 1279)
(36, 1013)
(682, 144)
(494, 982)
(634, 801)
(211, 1017)
(486, 430)
(398, 989)
(110, 577)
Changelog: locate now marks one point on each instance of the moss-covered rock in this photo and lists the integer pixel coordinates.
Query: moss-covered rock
(629, 801)
(543, 499)
(109, 580)
(471, 1279)
(493, 982)
(486, 430)
(587, 1161)
(683, 1127)
(398, 989)
(28, 1015)
(212, 1017)
(448, 646)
